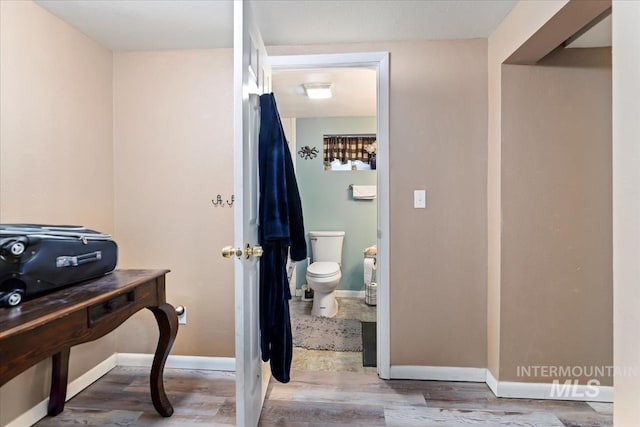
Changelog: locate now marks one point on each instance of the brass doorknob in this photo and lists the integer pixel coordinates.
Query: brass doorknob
(256, 251)
(230, 252)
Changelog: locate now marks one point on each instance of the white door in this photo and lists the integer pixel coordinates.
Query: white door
(251, 78)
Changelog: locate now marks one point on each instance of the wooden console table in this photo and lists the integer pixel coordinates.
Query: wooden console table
(50, 325)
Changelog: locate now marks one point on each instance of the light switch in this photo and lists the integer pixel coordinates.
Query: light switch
(419, 199)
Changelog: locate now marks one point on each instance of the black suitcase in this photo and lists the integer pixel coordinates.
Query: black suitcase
(35, 259)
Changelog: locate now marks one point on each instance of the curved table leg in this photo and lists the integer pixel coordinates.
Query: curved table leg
(167, 320)
(59, 377)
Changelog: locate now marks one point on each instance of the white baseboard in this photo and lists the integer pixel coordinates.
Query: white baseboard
(549, 391)
(339, 293)
(507, 389)
(438, 373)
(582, 393)
(492, 382)
(39, 411)
(179, 362)
(349, 294)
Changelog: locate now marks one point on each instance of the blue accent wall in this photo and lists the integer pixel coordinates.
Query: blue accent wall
(327, 202)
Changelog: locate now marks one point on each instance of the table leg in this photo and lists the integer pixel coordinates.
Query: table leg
(167, 320)
(59, 377)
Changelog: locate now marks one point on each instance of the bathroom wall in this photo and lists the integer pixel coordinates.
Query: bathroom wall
(327, 202)
(557, 290)
(56, 161)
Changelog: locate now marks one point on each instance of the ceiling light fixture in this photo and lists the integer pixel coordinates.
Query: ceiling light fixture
(318, 90)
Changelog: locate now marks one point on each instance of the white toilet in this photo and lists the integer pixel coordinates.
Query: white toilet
(323, 275)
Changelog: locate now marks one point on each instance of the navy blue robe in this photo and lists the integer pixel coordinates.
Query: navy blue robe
(281, 229)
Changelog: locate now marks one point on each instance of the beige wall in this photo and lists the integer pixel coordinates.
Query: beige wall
(173, 146)
(532, 27)
(55, 151)
(438, 128)
(527, 17)
(556, 277)
(626, 211)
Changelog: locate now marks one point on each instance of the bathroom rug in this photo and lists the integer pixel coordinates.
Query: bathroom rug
(321, 333)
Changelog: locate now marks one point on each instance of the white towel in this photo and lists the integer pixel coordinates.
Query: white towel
(367, 192)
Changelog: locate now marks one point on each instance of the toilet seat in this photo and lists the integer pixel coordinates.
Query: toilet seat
(323, 269)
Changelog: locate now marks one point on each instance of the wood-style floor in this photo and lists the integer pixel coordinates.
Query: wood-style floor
(313, 398)
(328, 389)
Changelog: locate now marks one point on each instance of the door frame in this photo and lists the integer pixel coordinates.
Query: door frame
(378, 61)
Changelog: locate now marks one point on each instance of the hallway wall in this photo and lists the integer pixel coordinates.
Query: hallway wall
(626, 209)
(173, 146)
(56, 161)
(556, 293)
(438, 134)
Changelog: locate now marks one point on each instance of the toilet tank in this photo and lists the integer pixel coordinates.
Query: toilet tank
(326, 246)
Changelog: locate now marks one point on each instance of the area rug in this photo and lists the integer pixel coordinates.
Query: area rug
(321, 333)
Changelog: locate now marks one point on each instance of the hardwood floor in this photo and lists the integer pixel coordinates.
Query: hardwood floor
(328, 389)
(314, 398)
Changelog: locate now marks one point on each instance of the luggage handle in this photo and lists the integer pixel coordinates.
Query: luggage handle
(74, 261)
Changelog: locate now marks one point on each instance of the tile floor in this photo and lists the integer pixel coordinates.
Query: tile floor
(334, 361)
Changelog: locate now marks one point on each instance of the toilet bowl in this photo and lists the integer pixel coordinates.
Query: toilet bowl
(323, 275)
(323, 278)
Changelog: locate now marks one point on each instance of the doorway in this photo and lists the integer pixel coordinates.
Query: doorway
(378, 63)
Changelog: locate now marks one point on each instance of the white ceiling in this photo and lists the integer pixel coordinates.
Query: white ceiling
(123, 25)
(597, 36)
(129, 25)
(354, 92)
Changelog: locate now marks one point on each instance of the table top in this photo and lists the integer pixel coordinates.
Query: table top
(60, 303)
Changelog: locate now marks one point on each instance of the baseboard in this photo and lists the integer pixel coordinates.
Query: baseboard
(39, 411)
(438, 373)
(559, 391)
(179, 362)
(549, 391)
(339, 293)
(349, 294)
(492, 382)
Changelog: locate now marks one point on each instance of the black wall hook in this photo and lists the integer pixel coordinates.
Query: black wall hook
(218, 201)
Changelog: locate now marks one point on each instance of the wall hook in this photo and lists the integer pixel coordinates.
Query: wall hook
(232, 200)
(218, 201)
